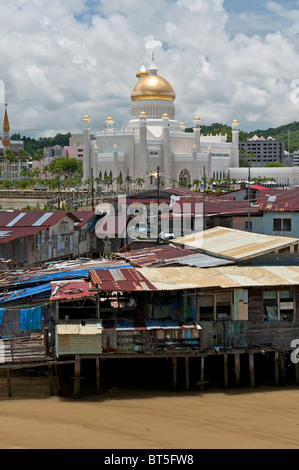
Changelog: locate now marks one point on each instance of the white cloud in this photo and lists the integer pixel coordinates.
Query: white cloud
(59, 60)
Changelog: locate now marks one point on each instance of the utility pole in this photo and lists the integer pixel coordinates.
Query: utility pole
(128, 203)
(92, 189)
(248, 196)
(158, 202)
(204, 198)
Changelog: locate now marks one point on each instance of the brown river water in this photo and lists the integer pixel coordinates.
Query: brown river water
(265, 418)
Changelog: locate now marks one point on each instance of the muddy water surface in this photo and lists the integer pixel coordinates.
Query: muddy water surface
(263, 418)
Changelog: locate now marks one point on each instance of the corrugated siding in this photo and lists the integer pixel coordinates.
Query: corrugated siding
(79, 344)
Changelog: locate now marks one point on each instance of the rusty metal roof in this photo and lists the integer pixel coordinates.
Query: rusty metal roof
(234, 244)
(176, 278)
(166, 255)
(71, 290)
(282, 200)
(126, 280)
(8, 234)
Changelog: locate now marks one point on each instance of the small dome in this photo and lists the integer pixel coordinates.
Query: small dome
(109, 119)
(142, 114)
(196, 118)
(142, 72)
(182, 124)
(235, 121)
(165, 115)
(86, 118)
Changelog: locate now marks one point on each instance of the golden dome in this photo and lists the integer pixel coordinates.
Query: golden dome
(182, 123)
(235, 121)
(109, 118)
(196, 118)
(86, 118)
(143, 113)
(153, 87)
(165, 115)
(142, 72)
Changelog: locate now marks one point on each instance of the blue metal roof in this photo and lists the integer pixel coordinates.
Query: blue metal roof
(23, 293)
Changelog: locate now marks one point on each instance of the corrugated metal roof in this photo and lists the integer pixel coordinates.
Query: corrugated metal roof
(166, 255)
(79, 327)
(283, 200)
(175, 278)
(234, 244)
(23, 293)
(120, 280)
(149, 324)
(68, 290)
(13, 233)
(31, 218)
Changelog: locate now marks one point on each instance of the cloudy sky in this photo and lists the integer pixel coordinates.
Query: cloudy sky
(225, 59)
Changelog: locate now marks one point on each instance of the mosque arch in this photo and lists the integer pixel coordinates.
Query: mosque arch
(184, 177)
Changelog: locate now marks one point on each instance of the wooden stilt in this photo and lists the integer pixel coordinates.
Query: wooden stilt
(187, 373)
(57, 382)
(297, 372)
(98, 375)
(225, 371)
(77, 377)
(202, 373)
(251, 370)
(237, 369)
(174, 370)
(9, 394)
(51, 381)
(276, 368)
(282, 368)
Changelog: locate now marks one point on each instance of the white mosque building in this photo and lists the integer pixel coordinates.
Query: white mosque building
(154, 138)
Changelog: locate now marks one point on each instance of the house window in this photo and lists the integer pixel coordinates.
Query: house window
(278, 305)
(282, 225)
(215, 307)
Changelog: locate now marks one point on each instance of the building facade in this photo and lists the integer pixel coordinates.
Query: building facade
(261, 151)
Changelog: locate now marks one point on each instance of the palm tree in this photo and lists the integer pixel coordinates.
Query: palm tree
(196, 183)
(9, 158)
(139, 182)
(39, 156)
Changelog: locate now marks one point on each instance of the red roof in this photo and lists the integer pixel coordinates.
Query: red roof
(71, 290)
(279, 200)
(84, 216)
(7, 234)
(31, 218)
(258, 188)
(125, 280)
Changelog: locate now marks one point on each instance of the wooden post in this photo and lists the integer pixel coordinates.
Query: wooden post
(77, 377)
(51, 382)
(276, 368)
(282, 368)
(225, 371)
(187, 373)
(174, 369)
(297, 372)
(237, 369)
(98, 375)
(202, 373)
(251, 370)
(58, 389)
(9, 394)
